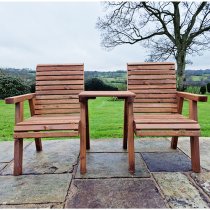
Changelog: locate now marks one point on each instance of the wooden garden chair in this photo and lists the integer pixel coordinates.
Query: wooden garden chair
(55, 108)
(158, 107)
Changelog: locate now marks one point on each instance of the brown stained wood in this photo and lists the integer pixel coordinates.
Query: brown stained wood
(38, 144)
(56, 111)
(45, 127)
(87, 127)
(60, 87)
(152, 72)
(45, 134)
(155, 105)
(155, 100)
(151, 77)
(164, 121)
(18, 156)
(49, 122)
(47, 78)
(146, 87)
(62, 82)
(155, 91)
(167, 126)
(150, 82)
(193, 97)
(59, 73)
(20, 98)
(195, 153)
(151, 67)
(19, 112)
(65, 67)
(58, 106)
(155, 96)
(174, 139)
(46, 97)
(125, 130)
(57, 101)
(168, 133)
(59, 92)
(159, 116)
(153, 110)
(193, 111)
(120, 94)
(32, 106)
(83, 137)
(131, 153)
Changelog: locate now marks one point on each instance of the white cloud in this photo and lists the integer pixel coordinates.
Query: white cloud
(62, 32)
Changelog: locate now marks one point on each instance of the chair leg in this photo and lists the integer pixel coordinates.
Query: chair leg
(87, 127)
(38, 144)
(18, 156)
(195, 154)
(131, 153)
(174, 141)
(125, 133)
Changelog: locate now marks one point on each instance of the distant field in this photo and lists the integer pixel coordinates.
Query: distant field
(106, 118)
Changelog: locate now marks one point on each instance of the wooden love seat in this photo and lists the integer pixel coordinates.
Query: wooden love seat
(55, 107)
(158, 107)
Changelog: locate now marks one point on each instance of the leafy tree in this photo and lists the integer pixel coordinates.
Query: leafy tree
(170, 29)
(12, 86)
(208, 87)
(97, 85)
(203, 89)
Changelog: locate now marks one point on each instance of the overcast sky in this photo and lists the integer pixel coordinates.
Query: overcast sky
(33, 33)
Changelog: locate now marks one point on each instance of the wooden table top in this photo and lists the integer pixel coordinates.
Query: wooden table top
(118, 94)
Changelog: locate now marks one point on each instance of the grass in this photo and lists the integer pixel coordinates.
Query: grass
(106, 118)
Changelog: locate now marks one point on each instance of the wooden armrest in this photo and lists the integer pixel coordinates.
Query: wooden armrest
(20, 98)
(192, 97)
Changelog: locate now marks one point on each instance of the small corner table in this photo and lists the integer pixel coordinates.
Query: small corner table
(128, 133)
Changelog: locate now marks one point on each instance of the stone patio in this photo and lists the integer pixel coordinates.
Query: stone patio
(51, 178)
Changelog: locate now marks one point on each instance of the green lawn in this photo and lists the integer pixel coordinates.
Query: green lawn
(106, 118)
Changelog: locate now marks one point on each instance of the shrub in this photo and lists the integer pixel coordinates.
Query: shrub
(12, 86)
(193, 89)
(203, 89)
(97, 85)
(208, 87)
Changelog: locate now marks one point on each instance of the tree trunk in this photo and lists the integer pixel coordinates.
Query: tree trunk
(180, 60)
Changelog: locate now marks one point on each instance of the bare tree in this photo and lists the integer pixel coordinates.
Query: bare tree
(168, 29)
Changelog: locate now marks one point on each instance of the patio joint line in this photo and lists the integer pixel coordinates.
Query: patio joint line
(161, 192)
(200, 190)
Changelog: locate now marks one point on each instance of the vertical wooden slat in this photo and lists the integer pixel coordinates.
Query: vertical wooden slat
(38, 142)
(87, 127)
(83, 136)
(18, 143)
(131, 154)
(195, 153)
(174, 140)
(125, 130)
(194, 140)
(18, 156)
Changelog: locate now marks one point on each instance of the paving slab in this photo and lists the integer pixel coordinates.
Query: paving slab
(57, 157)
(168, 162)
(203, 180)
(114, 193)
(141, 145)
(29, 206)
(184, 145)
(2, 165)
(104, 165)
(29, 189)
(7, 150)
(179, 191)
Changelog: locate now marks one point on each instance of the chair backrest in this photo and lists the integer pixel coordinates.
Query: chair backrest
(154, 85)
(57, 88)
